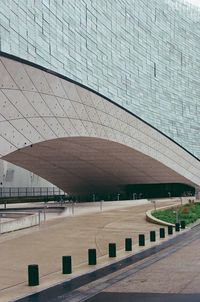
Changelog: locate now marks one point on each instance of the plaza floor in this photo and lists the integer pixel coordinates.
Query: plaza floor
(174, 278)
(69, 235)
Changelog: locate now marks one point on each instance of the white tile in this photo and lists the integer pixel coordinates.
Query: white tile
(98, 102)
(38, 103)
(38, 79)
(5, 146)
(41, 126)
(20, 102)
(2, 118)
(90, 128)
(78, 125)
(70, 90)
(7, 109)
(19, 74)
(104, 118)
(85, 96)
(27, 130)
(55, 125)
(11, 134)
(81, 111)
(67, 125)
(54, 105)
(56, 85)
(92, 113)
(6, 80)
(68, 107)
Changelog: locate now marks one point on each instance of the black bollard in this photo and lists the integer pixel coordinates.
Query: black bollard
(170, 229)
(66, 264)
(112, 249)
(182, 224)
(92, 257)
(128, 244)
(141, 240)
(33, 274)
(177, 227)
(152, 236)
(162, 233)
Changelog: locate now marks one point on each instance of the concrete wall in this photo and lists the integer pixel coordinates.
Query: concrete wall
(14, 176)
(20, 223)
(142, 54)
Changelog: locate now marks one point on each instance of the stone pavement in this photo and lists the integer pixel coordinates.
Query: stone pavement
(174, 278)
(70, 235)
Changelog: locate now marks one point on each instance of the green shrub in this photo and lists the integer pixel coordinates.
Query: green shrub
(189, 212)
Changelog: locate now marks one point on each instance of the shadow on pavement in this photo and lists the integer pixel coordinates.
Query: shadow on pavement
(144, 297)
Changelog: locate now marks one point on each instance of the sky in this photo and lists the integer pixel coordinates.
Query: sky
(195, 2)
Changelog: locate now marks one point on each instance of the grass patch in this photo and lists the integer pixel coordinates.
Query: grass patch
(189, 213)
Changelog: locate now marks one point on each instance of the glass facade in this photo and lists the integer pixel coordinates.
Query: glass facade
(144, 55)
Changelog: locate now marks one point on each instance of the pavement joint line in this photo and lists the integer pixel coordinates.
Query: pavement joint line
(91, 290)
(82, 280)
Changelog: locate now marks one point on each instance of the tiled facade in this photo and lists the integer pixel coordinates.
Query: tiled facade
(80, 141)
(142, 54)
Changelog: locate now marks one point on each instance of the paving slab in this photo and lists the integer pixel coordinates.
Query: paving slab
(68, 235)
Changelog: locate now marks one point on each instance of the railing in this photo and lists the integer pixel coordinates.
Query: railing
(9, 192)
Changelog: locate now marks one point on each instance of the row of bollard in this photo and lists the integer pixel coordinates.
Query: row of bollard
(33, 269)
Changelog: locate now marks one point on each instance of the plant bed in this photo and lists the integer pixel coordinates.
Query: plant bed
(188, 212)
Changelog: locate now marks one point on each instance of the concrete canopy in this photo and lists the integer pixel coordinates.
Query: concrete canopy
(79, 140)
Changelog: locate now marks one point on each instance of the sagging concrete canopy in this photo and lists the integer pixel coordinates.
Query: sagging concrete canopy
(79, 140)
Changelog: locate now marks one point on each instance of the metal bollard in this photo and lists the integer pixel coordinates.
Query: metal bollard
(182, 224)
(66, 264)
(112, 249)
(141, 240)
(152, 236)
(33, 274)
(92, 257)
(177, 227)
(128, 244)
(162, 233)
(170, 229)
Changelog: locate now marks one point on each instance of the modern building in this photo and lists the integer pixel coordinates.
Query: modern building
(96, 96)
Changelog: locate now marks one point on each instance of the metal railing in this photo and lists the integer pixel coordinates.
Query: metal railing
(9, 192)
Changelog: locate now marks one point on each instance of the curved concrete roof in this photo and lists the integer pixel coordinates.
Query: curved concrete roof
(79, 140)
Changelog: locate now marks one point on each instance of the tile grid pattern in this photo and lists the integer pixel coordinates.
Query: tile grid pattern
(142, 54)
(37, 106)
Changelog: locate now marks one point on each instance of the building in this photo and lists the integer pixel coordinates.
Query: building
(98, 95)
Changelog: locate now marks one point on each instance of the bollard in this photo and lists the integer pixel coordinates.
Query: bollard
(66, 264)
(141, 240)
(128, 244)
(170, 229)
(33, 274)
(152, 236)
(177, 227)
(162, 233)
(92, 257)
(182, 224)
(112, 249)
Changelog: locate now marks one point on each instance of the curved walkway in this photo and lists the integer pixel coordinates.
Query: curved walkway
(70, 235)
(170, 276)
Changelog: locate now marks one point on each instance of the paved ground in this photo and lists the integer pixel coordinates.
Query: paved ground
(173, 278)
(66, 236)
(137, 297)
(179, 273)
(163, 276)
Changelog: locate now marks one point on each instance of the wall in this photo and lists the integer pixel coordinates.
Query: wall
(21, 223)
(14, 176)
(80, 141)
(142, 54)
